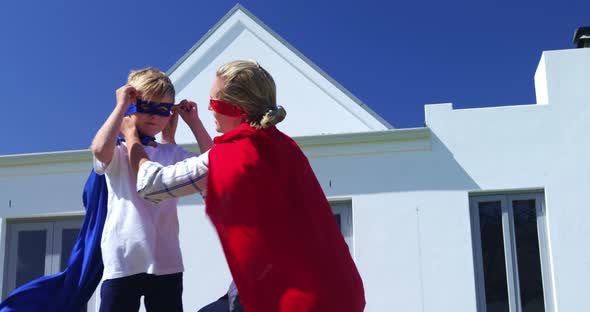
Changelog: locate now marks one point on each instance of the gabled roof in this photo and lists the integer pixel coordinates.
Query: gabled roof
(300, 83)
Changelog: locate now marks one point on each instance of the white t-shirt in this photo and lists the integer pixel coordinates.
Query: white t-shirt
(139, 236)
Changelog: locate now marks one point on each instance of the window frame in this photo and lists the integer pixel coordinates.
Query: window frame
(53, 228)
(508, 233)
(58, 227)
(343, 207)
(13, 230)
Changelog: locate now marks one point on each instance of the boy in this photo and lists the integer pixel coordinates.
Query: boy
(140, 245)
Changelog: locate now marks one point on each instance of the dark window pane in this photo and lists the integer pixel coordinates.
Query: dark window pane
(494, 265)
(68, 239)
(30, 256)
(527, 251)
(338, 220)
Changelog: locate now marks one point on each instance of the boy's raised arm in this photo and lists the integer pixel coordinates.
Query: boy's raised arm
(105, 140)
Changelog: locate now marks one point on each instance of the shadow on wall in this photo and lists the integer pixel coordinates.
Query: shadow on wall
(429, 170)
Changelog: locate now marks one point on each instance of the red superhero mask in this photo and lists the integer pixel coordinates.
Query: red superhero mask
(224, 108)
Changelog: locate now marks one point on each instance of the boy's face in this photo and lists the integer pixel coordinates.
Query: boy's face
(149, 124)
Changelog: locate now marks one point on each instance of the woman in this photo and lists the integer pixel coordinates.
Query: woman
(280, 239)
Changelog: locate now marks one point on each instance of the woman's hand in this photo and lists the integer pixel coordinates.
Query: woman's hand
(128, 129)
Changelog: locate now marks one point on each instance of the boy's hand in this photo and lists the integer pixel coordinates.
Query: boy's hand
(128, 130)
(169, 131)
(125, 95)
(188, 111)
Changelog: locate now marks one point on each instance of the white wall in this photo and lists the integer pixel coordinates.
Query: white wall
(537, 146)
(206, 273)
(42, 189)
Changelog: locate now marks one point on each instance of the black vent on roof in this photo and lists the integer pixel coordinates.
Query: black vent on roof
(582, 37)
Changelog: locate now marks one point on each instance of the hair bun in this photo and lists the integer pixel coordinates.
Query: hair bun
(273, 116)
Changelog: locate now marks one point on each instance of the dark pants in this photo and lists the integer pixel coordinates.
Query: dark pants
(161, 293)
(222, 305)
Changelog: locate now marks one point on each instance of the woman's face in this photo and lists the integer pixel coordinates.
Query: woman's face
(223, 123)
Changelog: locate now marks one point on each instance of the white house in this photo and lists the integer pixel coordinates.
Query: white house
(481, 210)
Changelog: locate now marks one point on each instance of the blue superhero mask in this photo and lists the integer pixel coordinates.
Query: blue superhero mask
(152, 108)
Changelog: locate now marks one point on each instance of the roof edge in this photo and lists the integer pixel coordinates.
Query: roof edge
(239, 7)
(206, 36)
(357, 138)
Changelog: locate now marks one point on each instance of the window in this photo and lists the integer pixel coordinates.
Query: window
(343, 213)
(510, 253)
(36, 249)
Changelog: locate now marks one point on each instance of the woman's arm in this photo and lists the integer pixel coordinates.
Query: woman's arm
(137, 155)
(155, 182)
(188, 111)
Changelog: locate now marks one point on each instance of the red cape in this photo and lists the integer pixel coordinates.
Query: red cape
(280, 238)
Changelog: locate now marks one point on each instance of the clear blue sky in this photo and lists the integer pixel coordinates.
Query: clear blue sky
(61, 61)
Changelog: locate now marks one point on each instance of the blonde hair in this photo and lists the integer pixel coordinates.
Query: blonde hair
(151, 83)
(249, 86)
